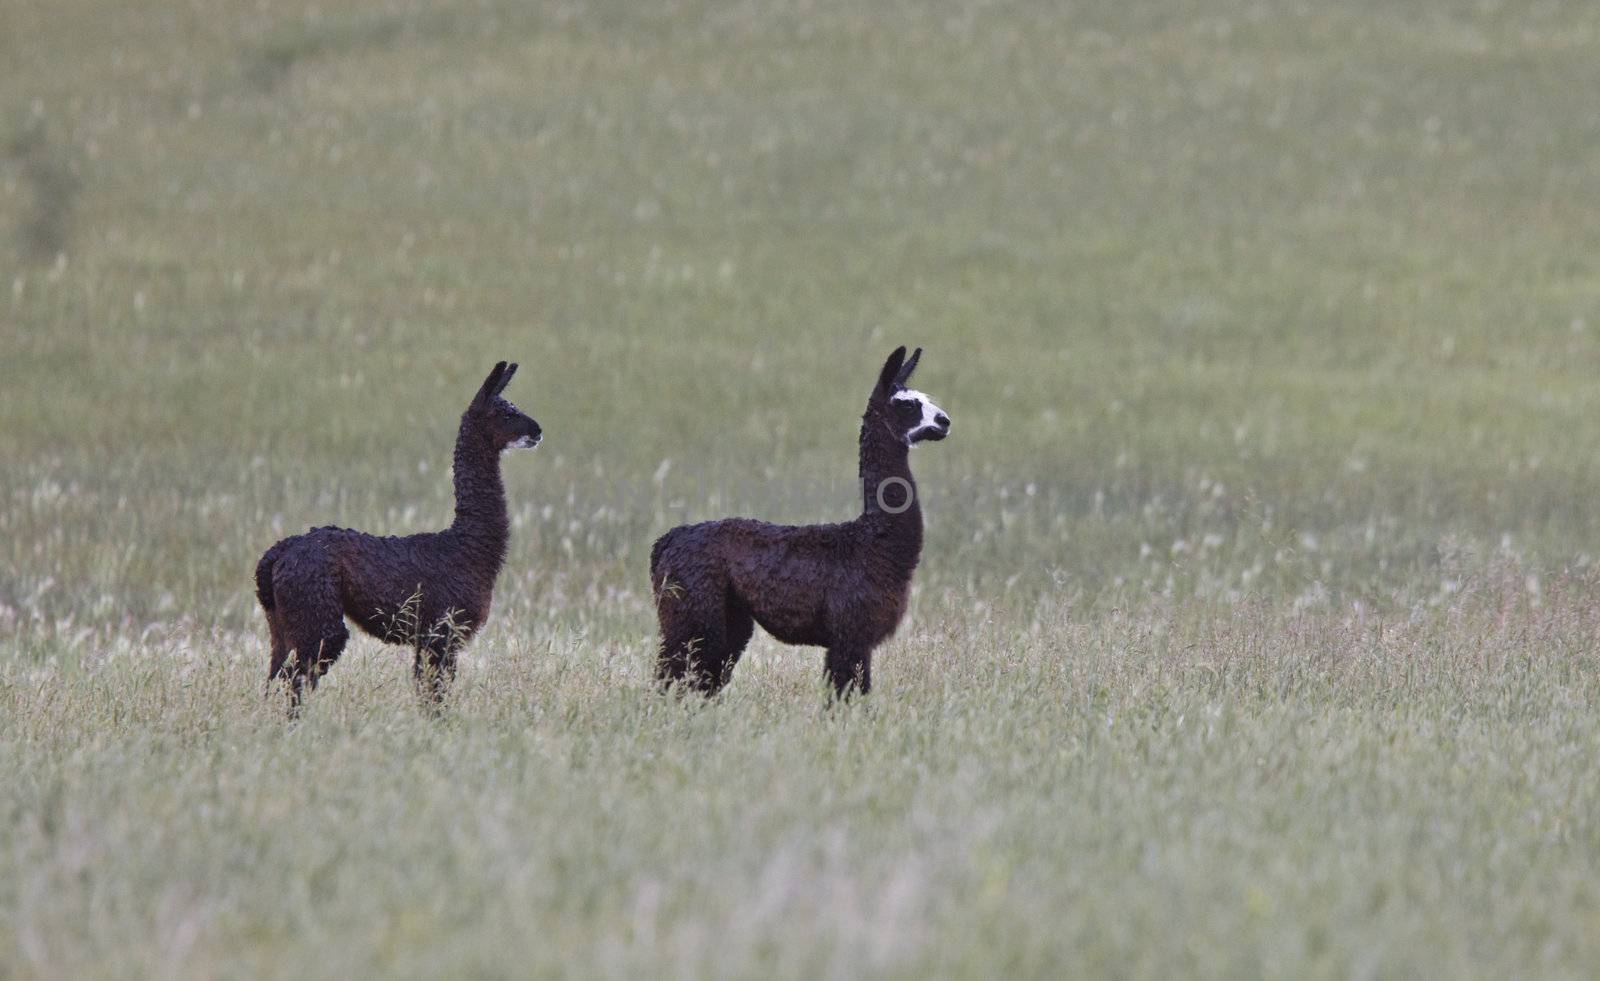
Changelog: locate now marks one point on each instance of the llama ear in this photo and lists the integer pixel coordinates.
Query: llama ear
(906, 370)
(490, 385)
(891, 370)
(505, 379)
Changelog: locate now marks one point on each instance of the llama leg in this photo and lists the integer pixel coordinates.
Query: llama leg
(280, 651)
(708, 661)
(315, 650)
(678, 631)
(850, 670)
(693, 620)
(738, 625)
(316, 655)
(672, 661)
(311, 622)
(694, 653)
(283, 665)
(694, 650)
(434, 672)
(327, 651)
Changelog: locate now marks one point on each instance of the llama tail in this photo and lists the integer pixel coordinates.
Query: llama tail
(264, 575)
(656, 552)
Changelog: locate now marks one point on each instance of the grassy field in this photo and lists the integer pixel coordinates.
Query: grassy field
(1255, 633)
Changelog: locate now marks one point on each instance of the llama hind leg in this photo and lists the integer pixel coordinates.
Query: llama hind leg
(316, 646)
(311, 624)
(693, 646)
(694, 652)
(672, 660)
(279, 657)
(711, 665)
(692, 612)
(677, 638)
(434, 671)
(849, 669)
(325, 652)
(738, 625)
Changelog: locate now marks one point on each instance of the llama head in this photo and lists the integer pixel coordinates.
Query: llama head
(506, 426)
(912, 415)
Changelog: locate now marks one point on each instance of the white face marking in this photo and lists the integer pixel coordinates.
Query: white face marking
(930, 413)
(524, 442)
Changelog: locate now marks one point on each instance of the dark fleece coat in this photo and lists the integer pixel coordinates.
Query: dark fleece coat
(430, 592)
(838, 586)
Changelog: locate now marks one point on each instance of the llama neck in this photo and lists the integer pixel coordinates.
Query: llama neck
(481, 515)
(888, 490)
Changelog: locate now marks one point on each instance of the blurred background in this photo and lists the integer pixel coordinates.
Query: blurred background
(1227, 299)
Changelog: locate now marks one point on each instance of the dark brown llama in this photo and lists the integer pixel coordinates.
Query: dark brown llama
(839, 586)
(429, 591)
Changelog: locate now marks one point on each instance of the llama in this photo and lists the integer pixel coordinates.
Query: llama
(838, 586)
(430, 591)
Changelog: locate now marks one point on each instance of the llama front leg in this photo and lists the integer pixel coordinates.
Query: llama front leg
(849, 668)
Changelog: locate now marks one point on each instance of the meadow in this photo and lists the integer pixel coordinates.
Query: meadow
(1255, 631)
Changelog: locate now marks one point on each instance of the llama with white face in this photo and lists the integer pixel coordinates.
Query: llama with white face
(841, 586)
(932, 423)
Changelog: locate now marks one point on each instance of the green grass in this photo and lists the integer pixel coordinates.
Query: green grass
(1254, 632)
